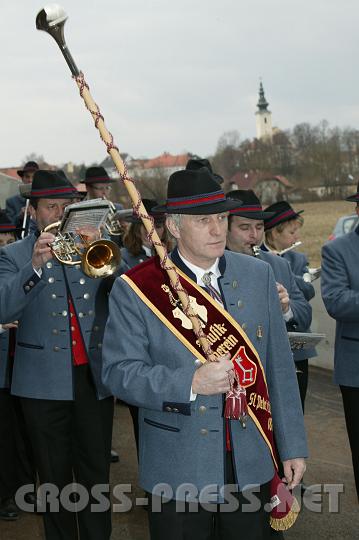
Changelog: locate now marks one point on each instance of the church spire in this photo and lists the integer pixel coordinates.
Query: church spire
(263, 117)
(262, 102)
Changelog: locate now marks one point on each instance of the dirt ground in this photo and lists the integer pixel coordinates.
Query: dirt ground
(329, 465)
(319, 221)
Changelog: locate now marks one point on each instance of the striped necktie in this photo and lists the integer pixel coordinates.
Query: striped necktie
(207, 280)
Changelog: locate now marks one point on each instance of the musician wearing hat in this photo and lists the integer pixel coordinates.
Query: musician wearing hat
(61, 315)
(188, 450)
(282, 231)
(16, 459)
(281, 234)
(15, 205)
(245, 235)
(99, 186)
(137, 247)
(196, 163)
(340, 293)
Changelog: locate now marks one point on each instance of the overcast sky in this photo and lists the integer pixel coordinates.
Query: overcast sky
(173, 75)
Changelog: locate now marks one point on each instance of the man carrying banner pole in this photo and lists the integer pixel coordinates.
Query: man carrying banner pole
(188, 451)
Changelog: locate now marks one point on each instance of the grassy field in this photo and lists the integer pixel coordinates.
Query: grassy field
(319, 221)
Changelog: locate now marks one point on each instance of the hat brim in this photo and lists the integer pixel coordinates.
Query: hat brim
(283, 220)
(76, 195)
(94, 181)
(135, 219)
(253, 215)
(353, 198)
(22, 172)
(215, 208)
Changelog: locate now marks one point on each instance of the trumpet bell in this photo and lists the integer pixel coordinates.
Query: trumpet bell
(101, 258)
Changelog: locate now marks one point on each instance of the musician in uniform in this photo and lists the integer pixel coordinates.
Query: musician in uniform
(281, 233)
(15, 205)
(245, 235)
(340, 293)
(137, 247)
(186, 445)
(16, 459)
(61, 315)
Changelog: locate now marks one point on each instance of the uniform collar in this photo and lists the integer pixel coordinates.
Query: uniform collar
(147, 250)
(191, 270)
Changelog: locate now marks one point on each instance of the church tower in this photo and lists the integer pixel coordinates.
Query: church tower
(263, 117)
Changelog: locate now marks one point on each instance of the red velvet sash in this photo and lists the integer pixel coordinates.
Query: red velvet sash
(151, 283)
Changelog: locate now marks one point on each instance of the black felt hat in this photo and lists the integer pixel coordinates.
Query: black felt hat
(194, 164)
(52, 185)
(5, 224)
(30, 166)
(97, 175)
(149, 204)
(282, 212)
(355, 197)
(249, 206)
(195, 192)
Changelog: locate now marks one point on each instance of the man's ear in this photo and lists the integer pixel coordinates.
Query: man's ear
(173, 227)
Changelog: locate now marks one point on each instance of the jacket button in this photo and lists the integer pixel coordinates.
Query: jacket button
(73, 342)
(204, 432)
(240, 303)
(53, 296)
(27, 287)
(234, 284)
(197, 362)
(54, 314)
(49, 264)
(202, 409)
(96, 328)
(175, 409)
(64, 313)
(99, 346)
(90, 312)
(82, 281)
(31, 283)
(51, 279)
(81, 314)
(168, 408)
(55, 332)
(86, 296)
(56, 348)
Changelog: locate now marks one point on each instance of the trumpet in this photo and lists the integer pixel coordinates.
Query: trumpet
(99, 258)
(113, 223)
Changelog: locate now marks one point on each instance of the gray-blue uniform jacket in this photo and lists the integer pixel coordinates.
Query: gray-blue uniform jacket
(43, 365)
(340, 292)
(299, 265)
(13, 207)
(4, 364)
(133, 260)
(181, 440)
(302, 310)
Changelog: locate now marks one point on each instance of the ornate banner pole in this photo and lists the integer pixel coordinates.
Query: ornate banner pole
(51, 19)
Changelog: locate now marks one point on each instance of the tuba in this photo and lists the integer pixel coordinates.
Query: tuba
(99, 258)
